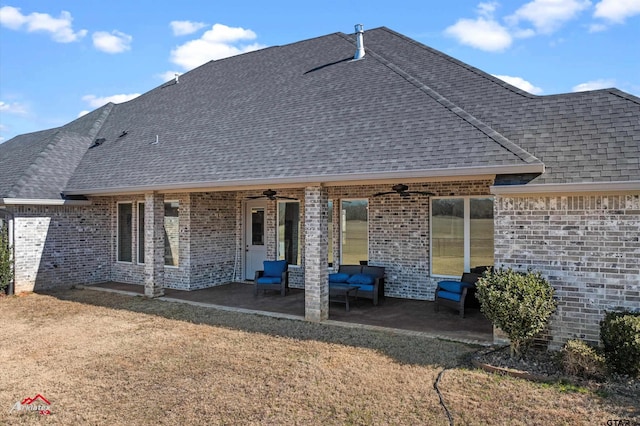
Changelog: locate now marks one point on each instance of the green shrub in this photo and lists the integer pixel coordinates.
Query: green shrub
(6, 269)
(582, 360)
(520, 304)
(620, 335)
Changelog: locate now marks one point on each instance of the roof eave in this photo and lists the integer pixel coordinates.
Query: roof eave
(567, 188)
(43, 202)
(331, 180)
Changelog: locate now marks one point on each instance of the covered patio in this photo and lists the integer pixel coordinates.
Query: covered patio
(392, 314)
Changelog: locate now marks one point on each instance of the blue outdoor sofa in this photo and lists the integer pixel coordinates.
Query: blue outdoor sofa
(368, 279)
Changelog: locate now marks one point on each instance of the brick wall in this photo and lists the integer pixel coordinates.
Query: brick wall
(587, 246)
(60, 246)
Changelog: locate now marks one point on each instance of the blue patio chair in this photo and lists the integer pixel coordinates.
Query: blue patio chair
(453, 294)
(275, 276)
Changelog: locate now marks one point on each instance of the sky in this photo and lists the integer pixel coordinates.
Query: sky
(61, 59)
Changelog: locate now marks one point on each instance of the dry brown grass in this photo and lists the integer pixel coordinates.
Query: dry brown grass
(102, 358)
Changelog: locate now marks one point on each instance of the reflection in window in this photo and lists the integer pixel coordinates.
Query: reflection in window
(257, 226)
(461, 234)
(354, 218)
(125, 232)
(481, 229)
(289, 232)
(171, 233)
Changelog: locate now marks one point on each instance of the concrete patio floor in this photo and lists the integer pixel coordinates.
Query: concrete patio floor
(402, 315)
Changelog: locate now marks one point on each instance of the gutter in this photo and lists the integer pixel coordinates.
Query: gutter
(43, 202)
(325, 180)
(568, 188)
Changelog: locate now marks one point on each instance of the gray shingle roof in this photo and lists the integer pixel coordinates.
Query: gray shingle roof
(38, 165)
(306, 110)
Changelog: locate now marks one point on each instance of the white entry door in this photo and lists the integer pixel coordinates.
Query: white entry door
(254, 230)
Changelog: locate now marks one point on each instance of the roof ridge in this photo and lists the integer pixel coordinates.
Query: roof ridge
(480, 125)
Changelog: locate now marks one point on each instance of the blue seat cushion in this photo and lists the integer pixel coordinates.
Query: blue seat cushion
(449, 295)
(364, 287)
(338, 277)
(361, 279)
(453, 286)
(269, 280)
(274, 268)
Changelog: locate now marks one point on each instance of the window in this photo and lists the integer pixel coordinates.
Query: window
(461, 234)
(289, 232)
(171, 233)
(354, 221)
(330, 236)
(125, 234)
(140, 232)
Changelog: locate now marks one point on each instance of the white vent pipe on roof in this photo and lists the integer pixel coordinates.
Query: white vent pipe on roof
(359, 42)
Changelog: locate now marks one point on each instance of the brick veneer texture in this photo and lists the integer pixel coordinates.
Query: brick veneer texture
(587, 246)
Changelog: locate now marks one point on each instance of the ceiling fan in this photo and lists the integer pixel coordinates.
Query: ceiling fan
(271, 195)
(402, 190)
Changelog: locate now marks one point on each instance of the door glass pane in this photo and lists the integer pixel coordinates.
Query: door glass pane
(355, 231)
(289, 232)
(257, 226)
(140, 232)
(447, 236)
(125, 239)
(481, 227)
(171, 233)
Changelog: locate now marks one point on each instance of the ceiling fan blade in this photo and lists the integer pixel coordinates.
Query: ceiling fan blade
(254, 197)
(384, 193)
(286, 198)
(422, 193)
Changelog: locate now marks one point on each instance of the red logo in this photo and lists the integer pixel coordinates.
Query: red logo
(38, 403)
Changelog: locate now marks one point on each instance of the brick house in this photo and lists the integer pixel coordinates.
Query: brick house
(166, 190)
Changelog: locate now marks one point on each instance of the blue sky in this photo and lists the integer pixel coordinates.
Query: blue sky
(60, 59)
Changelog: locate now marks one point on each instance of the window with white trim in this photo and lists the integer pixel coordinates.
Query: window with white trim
(354, 227)
(140, 232)
(171, 233)
(461, 234)
(125, 232)
(289, 232)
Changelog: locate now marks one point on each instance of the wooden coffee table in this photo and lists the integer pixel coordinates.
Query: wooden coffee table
(342, 293)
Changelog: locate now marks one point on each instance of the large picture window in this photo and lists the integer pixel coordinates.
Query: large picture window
(289, 232)
(330, 236)
(171, 233)
(461, 234)
(125, 232)
(354, 224)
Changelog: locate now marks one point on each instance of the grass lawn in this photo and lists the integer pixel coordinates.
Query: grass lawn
(103, 358)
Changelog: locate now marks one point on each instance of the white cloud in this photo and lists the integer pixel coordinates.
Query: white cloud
(60, 28)
(84, 112)
(180, 28)
(548, 15)
(520, 83)
(617, 10)
(14, 108)
(96, 102)
(219, 42)
(480, 33)
(594, 85)
(114, 42)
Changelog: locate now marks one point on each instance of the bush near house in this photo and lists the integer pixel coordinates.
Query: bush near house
(582, 360)
(518, 303)
(6, 270)
(620, 335)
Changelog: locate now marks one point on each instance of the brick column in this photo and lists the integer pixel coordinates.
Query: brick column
(316, 285)
(153, 244)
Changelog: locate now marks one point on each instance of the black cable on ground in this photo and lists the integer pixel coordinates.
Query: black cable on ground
(444, 406)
